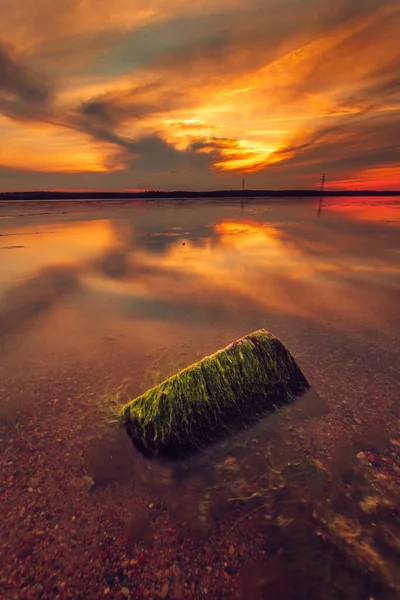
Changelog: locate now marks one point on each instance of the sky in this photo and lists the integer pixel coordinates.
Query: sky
(198, 95)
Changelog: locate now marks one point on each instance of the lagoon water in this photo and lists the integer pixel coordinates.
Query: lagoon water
(103, 295)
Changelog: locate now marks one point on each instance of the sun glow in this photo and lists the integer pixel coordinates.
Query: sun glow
(51, 149)
(244, 155)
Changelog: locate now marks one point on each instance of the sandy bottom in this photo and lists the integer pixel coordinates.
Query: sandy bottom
(306, 504)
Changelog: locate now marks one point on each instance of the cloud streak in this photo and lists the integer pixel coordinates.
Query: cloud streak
(23, 95)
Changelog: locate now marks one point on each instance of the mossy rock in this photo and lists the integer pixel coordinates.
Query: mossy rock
(216, 396)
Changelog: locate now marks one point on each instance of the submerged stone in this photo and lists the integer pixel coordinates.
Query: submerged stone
(214, 397)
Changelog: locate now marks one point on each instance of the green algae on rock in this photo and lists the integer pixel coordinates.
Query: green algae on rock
(214, 397)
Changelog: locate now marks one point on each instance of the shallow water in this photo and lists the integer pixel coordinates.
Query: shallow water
(94, 294)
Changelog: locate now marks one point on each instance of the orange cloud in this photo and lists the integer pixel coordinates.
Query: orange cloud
(371, 179)
(245, 156)
(47, 149)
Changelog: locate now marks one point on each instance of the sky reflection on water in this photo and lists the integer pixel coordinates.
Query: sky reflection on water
(203, 263)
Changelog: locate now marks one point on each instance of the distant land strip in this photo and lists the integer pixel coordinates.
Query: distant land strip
(154, 194)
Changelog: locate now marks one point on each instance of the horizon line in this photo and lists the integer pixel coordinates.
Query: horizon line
(148, 193)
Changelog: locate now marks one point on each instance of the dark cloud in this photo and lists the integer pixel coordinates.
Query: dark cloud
(382, 89)
(153, 154)
(357, 66)
(150, 154)
(342, 12)
(111, 110)
(101, 117)
(17, 80)
(106, 112)
(23, 94)
(353, 142)
(244, 39)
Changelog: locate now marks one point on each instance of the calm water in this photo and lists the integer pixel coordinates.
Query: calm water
(94, 294)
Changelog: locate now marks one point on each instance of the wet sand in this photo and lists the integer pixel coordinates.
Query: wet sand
(304, 505)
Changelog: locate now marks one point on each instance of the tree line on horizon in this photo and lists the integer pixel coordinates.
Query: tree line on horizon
(182, 194)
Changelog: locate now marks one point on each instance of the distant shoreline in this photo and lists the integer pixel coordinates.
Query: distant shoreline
(154, 194)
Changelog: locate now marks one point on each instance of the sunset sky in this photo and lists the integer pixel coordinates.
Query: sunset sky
(199, 94)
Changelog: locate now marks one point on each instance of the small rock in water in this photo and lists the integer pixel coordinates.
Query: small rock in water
(362, 457)
(86, 483)
(230, 460)
(26, 549)
(164, 590)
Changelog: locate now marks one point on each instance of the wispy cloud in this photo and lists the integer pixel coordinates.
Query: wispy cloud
(23, 95)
